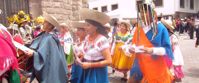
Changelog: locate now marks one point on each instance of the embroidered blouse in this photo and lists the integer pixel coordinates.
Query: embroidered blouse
(93, 51)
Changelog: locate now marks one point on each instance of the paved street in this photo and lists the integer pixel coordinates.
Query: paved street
(191, 60)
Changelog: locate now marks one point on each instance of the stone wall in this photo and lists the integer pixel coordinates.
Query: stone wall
(63, 10)
(35, 8)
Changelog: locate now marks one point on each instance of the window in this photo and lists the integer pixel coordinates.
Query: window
(191, 4)
(158, 3)
(181, 3)
(95, 8)
(115, 6)
(104, 8)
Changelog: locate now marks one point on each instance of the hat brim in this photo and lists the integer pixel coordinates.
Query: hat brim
(78, 24)
(167, 25)
(52, 20)
(126, 22)
(94, 15)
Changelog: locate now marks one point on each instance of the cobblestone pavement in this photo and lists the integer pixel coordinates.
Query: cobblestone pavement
(191, 62)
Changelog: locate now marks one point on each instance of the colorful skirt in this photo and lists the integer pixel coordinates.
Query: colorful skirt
(120, 61)
(178, 73)
(76, 73)
(95, 75)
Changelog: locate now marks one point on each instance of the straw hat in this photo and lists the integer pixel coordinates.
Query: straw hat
(63, 25)
(126, 22)
(51, 19)
(100, 17)
(168, 25)
(78, 24)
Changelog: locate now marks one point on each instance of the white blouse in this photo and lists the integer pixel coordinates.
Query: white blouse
(78, 48)
(93, 51)
(178, 58)
(66, 42)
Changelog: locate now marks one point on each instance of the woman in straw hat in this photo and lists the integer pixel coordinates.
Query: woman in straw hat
(66, 39)
(66, 42)
(49, 62)
(155, 44)
(96, 53)
(121, 61)
(80, 34)
(177, 62)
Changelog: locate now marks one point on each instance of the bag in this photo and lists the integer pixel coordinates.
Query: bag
(14, 76)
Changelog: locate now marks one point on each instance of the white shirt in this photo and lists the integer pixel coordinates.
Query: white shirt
(93, 51)
(178, 58)
(67, 42)
(78, 48)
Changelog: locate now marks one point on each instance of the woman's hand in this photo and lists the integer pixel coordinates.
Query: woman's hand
(148, 50)
(29, 52)
(86, 65)
(132, 50)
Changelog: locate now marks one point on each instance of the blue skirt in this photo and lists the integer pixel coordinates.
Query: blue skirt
(95, 75)
(76, 73)
(135, 70)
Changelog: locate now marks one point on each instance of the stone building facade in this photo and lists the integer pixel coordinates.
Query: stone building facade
(63, 10)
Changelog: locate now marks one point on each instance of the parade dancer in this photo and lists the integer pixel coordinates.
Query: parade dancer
(151, 40)
(178, 61)
(96, 48)
(66, 41)
(121, 61)
(80, 34)
(49, 64)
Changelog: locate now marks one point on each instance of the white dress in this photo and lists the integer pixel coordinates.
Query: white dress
(93, 51)
(178, 58)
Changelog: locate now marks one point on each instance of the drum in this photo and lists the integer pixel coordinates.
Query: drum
(120, 61)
